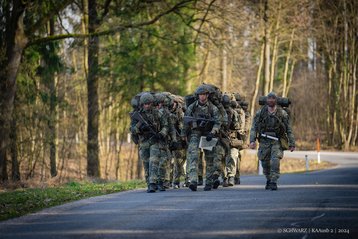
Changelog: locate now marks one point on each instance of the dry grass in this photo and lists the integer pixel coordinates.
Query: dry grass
(288, 165)
(129, 168)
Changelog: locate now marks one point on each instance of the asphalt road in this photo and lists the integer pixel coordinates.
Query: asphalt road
(320, 204)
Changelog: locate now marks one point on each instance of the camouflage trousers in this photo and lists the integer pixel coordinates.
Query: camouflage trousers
(233, 163)
(213, 163)
(150, 154)
(222, 158)
(238, 164)
(165, 165)
(270, 153)
(178, 168)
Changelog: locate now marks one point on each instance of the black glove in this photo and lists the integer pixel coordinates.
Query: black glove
(159, 136)
(144, 127)
(209, 137)
(174, 146)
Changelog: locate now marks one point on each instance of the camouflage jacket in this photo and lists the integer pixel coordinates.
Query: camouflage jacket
(277, 122)
(209, 111)
(157, 121)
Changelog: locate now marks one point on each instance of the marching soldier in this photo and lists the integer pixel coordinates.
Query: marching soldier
(151, 127)
(202, 108)
(272, 127)
(244, 118)
(232, 131)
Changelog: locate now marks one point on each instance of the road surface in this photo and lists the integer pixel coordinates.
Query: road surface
(320, 204)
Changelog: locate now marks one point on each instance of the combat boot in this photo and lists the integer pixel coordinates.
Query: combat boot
(237, 181)
(231, 181)
(193, 186)
(268, 185)
(216, 184)
(161, 187)
(151, 188)
(207, 187)
(200, 180)
(273, 186)
(176, 185)
(166, 184)
(225, 183)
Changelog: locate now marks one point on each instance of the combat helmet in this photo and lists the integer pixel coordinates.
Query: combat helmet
(225, 99)
(159, 98)
(202, 89)
(146, 98)
(272, 95)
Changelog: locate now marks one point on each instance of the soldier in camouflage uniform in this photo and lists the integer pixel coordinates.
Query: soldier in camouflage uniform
(178, 146)
(273, 121)
(202, 108)
(151, 131)
(232, 130)
(165, 165)
(244, 118)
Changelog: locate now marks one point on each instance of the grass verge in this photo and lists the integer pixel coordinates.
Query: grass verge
(24, 201)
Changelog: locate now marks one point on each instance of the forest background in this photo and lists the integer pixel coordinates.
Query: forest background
(69, 69)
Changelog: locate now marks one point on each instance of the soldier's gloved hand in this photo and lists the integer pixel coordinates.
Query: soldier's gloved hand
(292, 148)
(144, 127)
(209, 137)
(159, 136)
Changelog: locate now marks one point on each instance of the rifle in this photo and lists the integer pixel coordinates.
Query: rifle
(203, 121)
(137, 116)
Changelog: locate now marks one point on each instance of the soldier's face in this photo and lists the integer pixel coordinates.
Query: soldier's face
(271, 101)
(147, 106)
(203, 98)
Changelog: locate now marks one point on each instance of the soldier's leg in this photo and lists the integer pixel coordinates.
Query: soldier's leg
(162, 166)
(276, 156)
(154, 159)
(231, 162)
(144, 154)
(231, 166)
(169, 169)
(179, 160)
(200, 168)
(214, 164)
(264, 155)
(192, 159)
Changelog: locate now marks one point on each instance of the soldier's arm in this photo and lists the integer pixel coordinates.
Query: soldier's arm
(164, 124)
(236, 120)
(289, 132)
(173, 133)
(254, 127)
(188, 112)
(217, 120)
(247, 121)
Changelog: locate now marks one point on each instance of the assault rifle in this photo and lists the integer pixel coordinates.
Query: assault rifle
(138, 117)
(203, 121)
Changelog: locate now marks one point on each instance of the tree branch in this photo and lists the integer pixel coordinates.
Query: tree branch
(111, 31)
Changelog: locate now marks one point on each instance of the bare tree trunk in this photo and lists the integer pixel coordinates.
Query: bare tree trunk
(267, 50)
(53, 112)
(224, 70)
(284, 91)
(15, 171)
(9, 65)
(275, 49)
(258, 76)
(93, 163)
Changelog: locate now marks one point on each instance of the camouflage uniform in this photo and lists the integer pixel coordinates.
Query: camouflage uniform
(165, 165)
(242, 135)
(151, 144)
(270, 151)
(210, 111)
(178, 152)
(234, 129)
